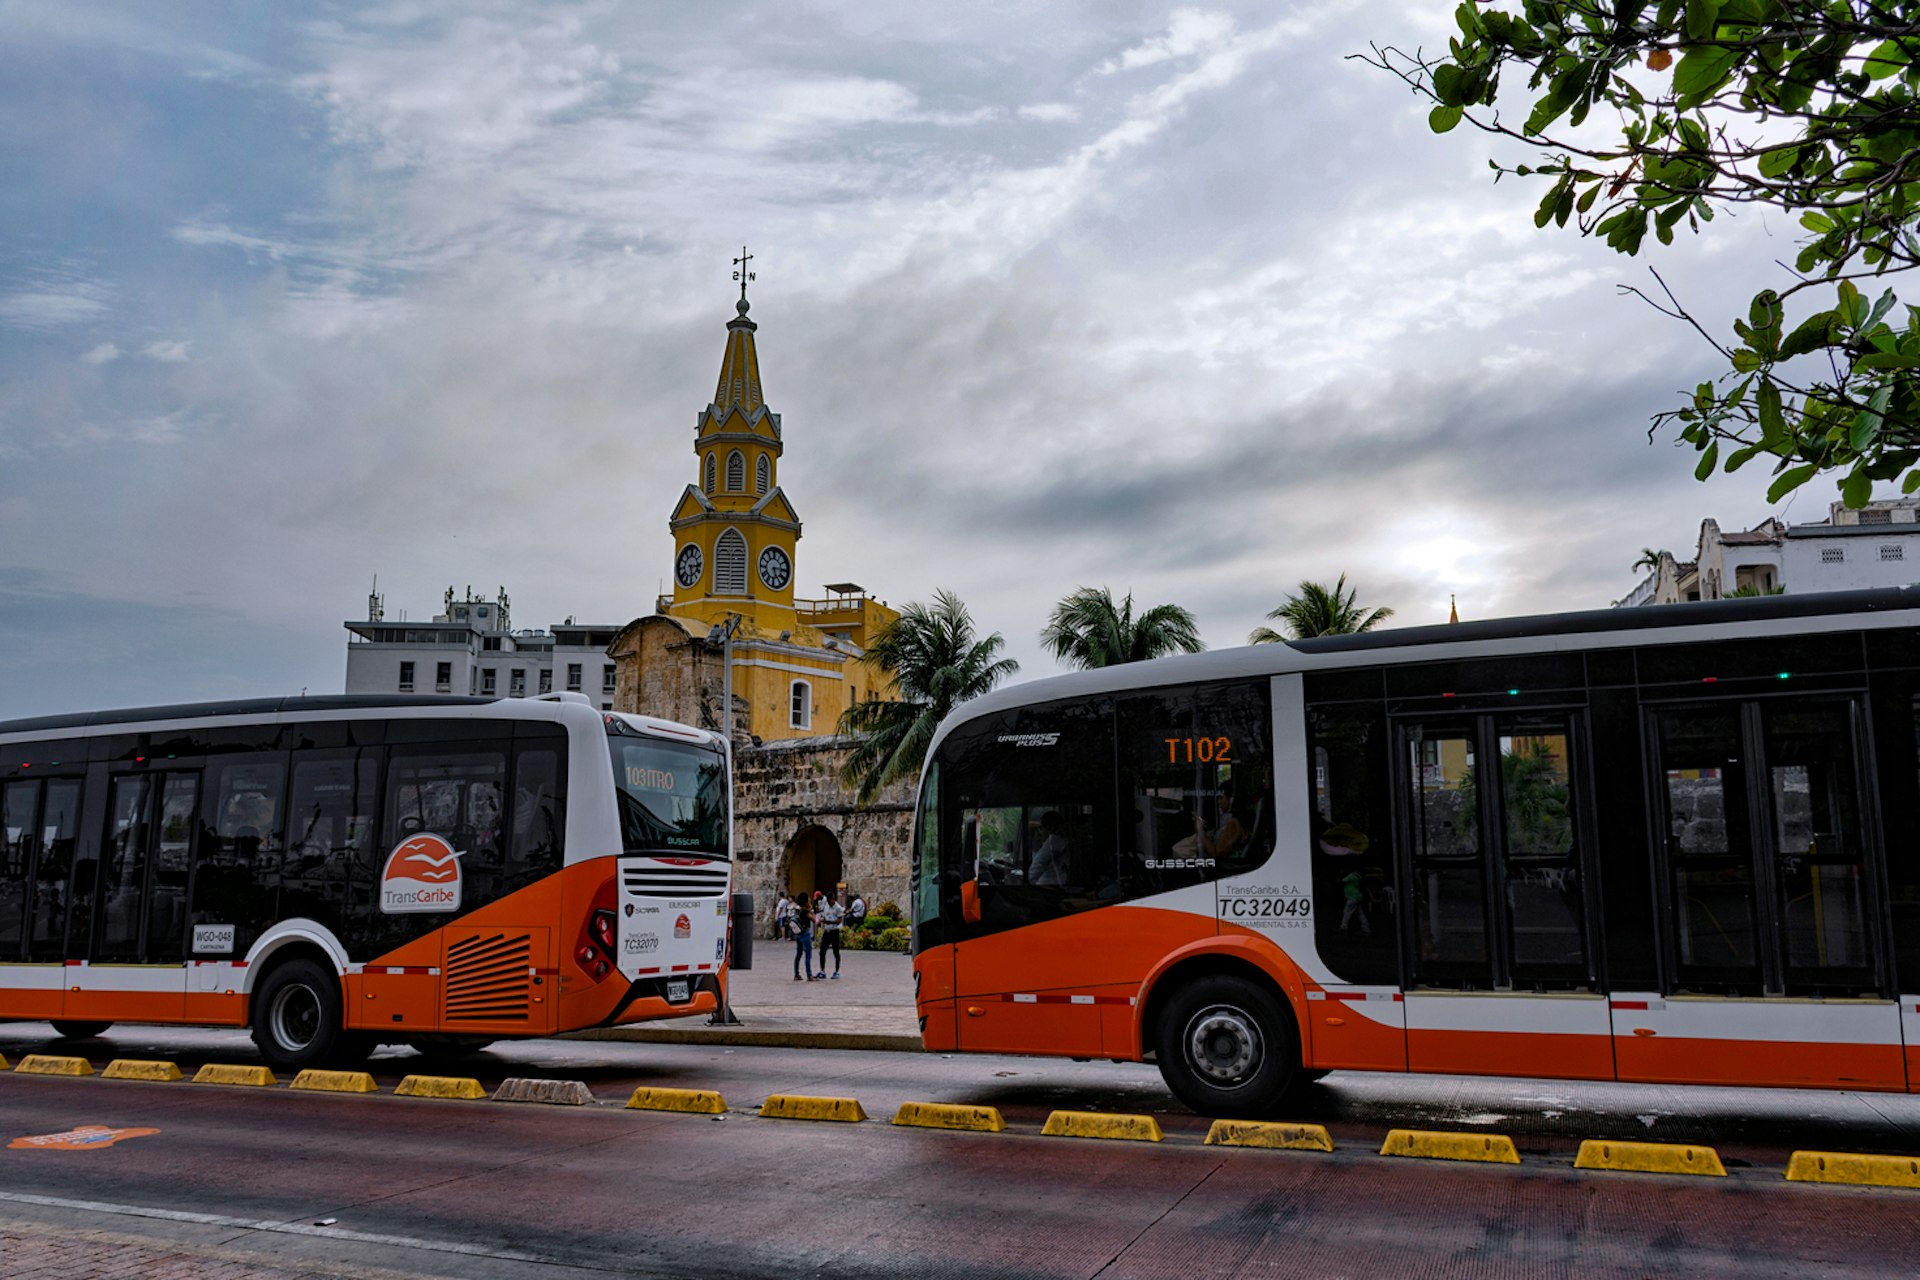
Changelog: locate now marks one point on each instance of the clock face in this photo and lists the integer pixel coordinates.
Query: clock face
(686, 569)
(775, 568)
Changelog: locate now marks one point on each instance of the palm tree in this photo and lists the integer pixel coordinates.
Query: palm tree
(1088, 630)
(936, 664)
(1314, 610)
(1649, 559)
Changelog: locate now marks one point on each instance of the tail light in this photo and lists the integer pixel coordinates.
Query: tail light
(599, 950)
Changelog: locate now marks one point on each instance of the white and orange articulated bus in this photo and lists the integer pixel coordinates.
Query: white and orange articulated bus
(341, 872)
(1673, 844)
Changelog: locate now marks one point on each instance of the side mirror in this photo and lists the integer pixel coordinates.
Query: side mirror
(970, 901)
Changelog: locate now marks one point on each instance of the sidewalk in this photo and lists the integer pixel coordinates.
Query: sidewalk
(870, 1006)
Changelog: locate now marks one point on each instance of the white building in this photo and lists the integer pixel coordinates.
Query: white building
(1875, 546)
(472, 648)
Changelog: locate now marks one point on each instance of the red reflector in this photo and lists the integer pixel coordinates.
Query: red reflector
(1709, 679)
(600, 970)
(585, 956)
(684, 862)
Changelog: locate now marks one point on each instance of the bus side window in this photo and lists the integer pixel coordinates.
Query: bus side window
(332, 815)
(237, 879)
(18, 800)
(535, 849)
(1196, 787)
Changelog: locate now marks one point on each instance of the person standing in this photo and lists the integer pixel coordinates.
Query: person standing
(832, 916)
(801, 921)
(782, 914)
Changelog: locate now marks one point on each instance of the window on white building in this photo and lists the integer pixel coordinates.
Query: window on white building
(730, 564)
(443, 677)
(606, 678)
(802, 717)
(1832, 555)
(1892, 551)
(546, 681)
(517, 682)
(406, 677)
(486, 681)
(573, 677)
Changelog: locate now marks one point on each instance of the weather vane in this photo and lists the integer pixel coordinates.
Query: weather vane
(743, 275)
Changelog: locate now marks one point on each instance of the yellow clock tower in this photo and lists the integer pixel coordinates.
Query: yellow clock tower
(734, 530)
(792, 665)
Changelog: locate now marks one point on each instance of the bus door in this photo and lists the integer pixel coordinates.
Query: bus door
(127, 917)
(1498, 922)
(1776, 970)
(39, 831)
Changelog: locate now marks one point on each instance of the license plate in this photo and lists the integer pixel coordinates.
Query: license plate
(677, 991)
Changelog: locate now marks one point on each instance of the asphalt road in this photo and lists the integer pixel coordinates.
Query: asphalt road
(421, 1187)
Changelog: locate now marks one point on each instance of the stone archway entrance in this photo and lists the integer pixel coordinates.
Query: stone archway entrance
(813, 861)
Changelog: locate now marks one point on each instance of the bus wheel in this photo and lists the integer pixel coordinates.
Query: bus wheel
(74, 1030)
(1226, 1047)
(296, 1015)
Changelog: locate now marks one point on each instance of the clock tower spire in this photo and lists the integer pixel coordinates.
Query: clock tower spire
(735, 532)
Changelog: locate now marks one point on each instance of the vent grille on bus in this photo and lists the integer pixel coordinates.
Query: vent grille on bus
(489, 978)
(709, 881)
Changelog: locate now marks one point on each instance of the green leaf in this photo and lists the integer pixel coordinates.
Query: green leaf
(1811, 334)
(1739, 458)
(1702, 17)
(1746, 361)
(1866, 425)
(1787, 481)
(1442, 119)
(1856, 489)
(1885, 360)
(1701, 71)
(1707, 460)
(1773, 423)
(1889, 59)
(1775, 163)
(1911, 483)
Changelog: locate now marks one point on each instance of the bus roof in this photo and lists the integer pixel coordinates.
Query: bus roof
(1687, 622)
(252, 707)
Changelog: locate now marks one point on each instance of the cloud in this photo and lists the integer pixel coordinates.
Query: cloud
(105, 353)
(169, 352)
(53, 308)
(1190, 31)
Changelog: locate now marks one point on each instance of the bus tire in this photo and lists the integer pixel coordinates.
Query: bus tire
(1227, 1047)
(74, 1029)
(296, 1015)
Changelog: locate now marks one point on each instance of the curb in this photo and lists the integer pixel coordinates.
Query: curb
(1100, 1124)
(740, 1037)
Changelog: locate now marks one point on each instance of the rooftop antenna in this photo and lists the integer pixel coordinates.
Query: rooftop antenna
(376, 607)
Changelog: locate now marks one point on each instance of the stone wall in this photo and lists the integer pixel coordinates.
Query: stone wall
(792, 789)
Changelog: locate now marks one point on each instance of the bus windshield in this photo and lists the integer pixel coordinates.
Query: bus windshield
(673, 796)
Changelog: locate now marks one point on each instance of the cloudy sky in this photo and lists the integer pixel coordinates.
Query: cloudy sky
(1176, 300)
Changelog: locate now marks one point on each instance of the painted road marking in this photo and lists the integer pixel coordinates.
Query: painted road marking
(88, 1137)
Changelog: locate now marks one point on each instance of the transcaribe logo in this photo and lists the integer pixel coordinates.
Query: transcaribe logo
(423, 874)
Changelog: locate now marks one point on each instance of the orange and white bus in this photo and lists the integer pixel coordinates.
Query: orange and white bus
(1676, 844)
(340, 872)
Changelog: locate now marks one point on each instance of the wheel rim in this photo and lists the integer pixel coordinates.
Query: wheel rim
(294, 1017)
(1224, 1046)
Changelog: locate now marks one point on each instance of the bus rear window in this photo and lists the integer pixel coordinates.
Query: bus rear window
(673, 797)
